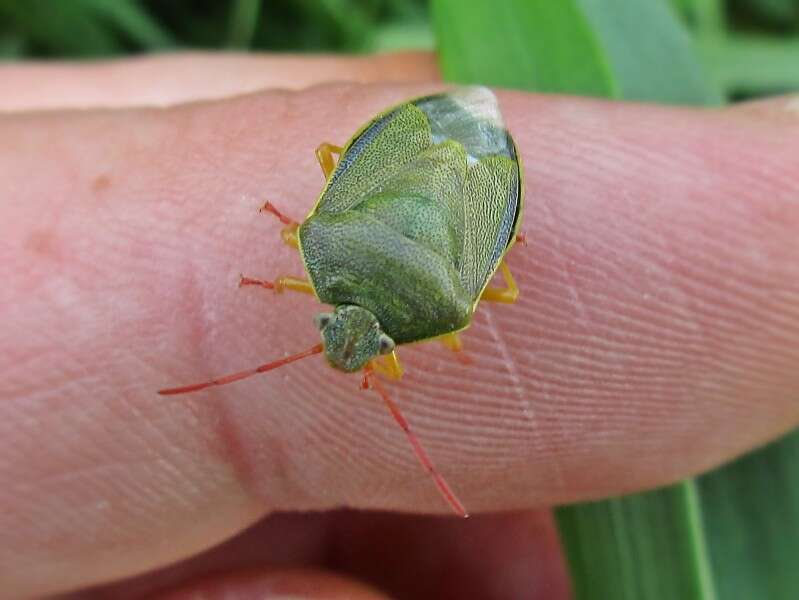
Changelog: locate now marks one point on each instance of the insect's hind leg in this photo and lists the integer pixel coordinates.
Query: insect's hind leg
(324, 154)
(506, 295)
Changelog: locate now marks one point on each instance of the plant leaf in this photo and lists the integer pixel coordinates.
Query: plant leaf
(243, 23)
(644, 546)
(535, 45)
(748, 65)
(751, 510)
(132, 20)
(650, 53)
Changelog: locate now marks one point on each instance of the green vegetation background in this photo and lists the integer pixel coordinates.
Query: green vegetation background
(749, 47)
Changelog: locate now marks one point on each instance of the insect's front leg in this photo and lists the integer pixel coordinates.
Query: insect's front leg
(279, 284)
(324, 154)
(388, 365)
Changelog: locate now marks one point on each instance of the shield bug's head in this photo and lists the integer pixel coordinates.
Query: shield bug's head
(352, 337)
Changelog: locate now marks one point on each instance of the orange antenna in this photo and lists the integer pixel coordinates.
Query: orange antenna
(242, 374)
(370, 380)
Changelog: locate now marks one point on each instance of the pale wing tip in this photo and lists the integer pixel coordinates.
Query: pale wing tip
(480, 102)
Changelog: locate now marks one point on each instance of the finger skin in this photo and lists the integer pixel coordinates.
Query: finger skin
(655, 337)
(168, 79)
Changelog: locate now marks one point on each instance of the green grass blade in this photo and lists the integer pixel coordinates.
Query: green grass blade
(704, 16)
(748, 65)
(536, 45)
(403, 35)
(644, 546)
(353, 21)
(611, 48)
(60, 27)
(243, 23)
(651, 55)
(751, 511)
(132, 20)
(11, 47)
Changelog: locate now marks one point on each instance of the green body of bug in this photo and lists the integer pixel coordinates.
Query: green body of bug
(413, 222)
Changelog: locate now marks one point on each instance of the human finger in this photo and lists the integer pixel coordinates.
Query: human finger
(492, 557)
(657, 319)
(168, 79)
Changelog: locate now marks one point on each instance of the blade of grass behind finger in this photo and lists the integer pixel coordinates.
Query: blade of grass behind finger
(646, 545)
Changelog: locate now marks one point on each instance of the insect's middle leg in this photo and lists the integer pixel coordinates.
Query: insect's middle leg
(324, 154)
(508, 294)
(279, 284)
(289, 233)
(289, 236)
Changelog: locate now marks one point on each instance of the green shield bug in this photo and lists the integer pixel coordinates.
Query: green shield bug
(415, 218)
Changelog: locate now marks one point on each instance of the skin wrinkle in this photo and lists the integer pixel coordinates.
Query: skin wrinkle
(285, 470)
(510, 367)
(225, 440)
(226, 437)
(564, 266)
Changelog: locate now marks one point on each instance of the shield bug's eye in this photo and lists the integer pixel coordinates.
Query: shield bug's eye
(322, 320)
(386, 344)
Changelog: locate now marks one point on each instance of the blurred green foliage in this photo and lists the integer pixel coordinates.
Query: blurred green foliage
(84, 28)
(749, 47)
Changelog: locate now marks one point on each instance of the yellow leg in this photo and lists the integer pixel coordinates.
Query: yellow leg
(289, 233)
(452, 341)
(289, 236)
(324, 154)
(508, 294)
(388, 365)
(279, 284)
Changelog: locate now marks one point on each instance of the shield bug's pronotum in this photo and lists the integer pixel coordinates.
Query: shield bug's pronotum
(416, 217)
